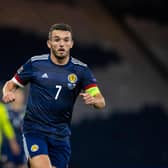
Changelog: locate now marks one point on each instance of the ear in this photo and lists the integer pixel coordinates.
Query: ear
(48, 44)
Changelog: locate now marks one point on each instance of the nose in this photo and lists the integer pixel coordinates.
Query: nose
(61, 43)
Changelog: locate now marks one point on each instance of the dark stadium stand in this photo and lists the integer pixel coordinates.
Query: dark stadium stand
(136, 138)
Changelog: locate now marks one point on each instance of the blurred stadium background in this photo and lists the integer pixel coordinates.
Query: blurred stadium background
(125, 42)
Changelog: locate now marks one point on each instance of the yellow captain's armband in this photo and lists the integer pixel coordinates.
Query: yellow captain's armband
(93, 91)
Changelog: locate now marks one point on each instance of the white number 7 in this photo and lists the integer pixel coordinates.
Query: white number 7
(59, 87)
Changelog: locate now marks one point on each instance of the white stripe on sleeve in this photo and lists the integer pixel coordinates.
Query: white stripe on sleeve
(17, 83)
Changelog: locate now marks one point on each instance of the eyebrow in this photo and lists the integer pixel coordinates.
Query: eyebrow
(66, 37)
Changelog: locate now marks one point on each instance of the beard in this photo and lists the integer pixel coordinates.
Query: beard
(58, 55)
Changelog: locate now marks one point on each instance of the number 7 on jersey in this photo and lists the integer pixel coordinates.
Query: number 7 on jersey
(58, 87)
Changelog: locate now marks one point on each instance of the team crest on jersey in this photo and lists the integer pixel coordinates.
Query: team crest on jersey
(34, 148)
(72, 78)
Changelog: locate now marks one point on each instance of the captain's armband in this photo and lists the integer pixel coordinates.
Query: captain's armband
(93, 91)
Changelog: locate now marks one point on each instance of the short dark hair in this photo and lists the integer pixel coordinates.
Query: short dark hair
(59, 26)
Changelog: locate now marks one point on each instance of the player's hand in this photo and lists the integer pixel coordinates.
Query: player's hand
(8, 97)
(87, 98)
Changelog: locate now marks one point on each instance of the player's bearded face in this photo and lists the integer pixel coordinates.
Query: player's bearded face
(60, 43)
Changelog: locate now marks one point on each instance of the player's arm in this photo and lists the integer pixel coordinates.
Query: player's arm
(8, 91)
(93, 96)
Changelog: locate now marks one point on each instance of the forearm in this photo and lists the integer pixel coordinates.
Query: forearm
(14, 146)
(96, 101)
(99, 101)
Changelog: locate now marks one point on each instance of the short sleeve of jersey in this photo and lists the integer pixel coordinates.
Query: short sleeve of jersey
(24, 74)
(88, 79)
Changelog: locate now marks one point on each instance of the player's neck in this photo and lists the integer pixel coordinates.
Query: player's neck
(58, 61)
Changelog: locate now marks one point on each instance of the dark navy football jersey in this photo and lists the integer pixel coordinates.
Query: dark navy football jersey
(53, 91)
